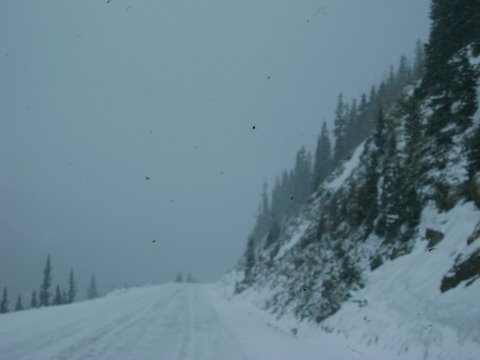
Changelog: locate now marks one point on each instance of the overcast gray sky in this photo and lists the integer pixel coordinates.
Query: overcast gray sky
(95, 97)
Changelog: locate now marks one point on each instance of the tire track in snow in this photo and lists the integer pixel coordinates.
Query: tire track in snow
(83, 349)
(185, 351)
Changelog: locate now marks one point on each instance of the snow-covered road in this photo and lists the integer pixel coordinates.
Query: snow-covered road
(172, 321)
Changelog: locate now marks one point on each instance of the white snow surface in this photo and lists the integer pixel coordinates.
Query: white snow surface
(405, 312)
(295, 234)
(347, 169)
(172, 321)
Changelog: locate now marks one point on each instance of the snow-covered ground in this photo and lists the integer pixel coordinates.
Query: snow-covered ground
(172, 321)
(402, 310)
(346, 170)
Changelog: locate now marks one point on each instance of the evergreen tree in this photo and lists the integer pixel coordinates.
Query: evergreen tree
(92, 292)
(450, 78)
(382, 96)
(57, 300)
(189, 277)
(367, 196)
(413, 127)
(287, 193)
(390, 198)
(379, 136)
(474, 153)
(4, 303)
(179, 277)
(455, 25)
(302, 178)
(340, 130)
(273, 234)
(249, 260)
(323, 157)
(410, 206)
(34, 300)
(363, 125)
(372, 98)
(72, 288)
(276, 208)
(351, 130)
(65, 297)
(404, 73)
(264, 215)
(419, 61)
(44, 295)
(19, 305)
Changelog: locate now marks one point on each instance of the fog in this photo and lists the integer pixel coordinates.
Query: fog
(132, 121)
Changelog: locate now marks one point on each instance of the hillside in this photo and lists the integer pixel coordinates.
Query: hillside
(386, 249)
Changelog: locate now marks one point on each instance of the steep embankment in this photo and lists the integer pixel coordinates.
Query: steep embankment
(398, 306)
(387, 249)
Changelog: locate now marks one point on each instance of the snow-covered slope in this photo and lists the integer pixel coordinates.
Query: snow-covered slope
(386, 251)
(401, 308)
(400, 312)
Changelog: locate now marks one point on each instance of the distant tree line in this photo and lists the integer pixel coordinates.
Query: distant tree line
(46, 296)
(189, 278)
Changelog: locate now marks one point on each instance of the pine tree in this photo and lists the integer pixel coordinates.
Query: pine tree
(4, 303)
(34, 300)
(19, 305)
(450, 78)
(179, 277)
(372, 98)
(419, 61)
(413, 127)
(276, 207)
(249, 260)
(72, 288)
(410, 206)
(65, 297)
(404, 73)
(189, 277)
(323, 155)
(351, 139)
(57, 300)
(340, 130)
(273, 234)
(286, 193)
(367, 195)
(390, 198)
(92, 292)
(379, 137)
(454, 27)
(363, 126)
(264, 214)
(44, 295)
(302, 178)
(474, 153)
